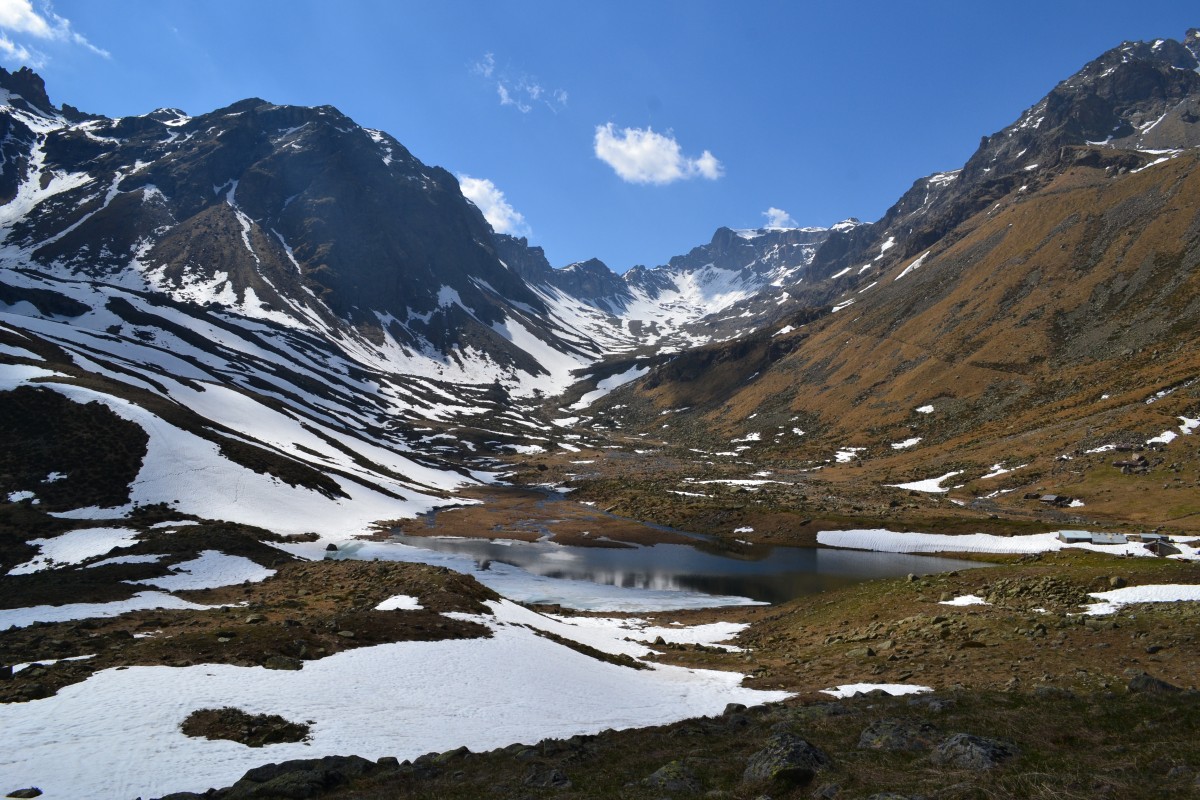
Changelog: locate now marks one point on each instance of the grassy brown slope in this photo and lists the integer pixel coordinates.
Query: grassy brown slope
(1014, 328)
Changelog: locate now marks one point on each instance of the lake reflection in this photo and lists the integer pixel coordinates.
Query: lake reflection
(767, 574)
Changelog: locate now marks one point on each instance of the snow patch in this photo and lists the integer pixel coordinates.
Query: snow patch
(209, 570)
(1111, 601)
(965, 600)
(932, 485)
(400, 602)
(894, 689)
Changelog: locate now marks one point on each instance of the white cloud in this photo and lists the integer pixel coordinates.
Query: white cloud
(19, 17)
(517, 89)
(643, 156)
(507, 99)
(18, 52)
(496, 209)
(485, 66)
(778, 218)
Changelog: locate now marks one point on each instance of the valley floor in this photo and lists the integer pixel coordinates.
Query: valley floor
(382, 659)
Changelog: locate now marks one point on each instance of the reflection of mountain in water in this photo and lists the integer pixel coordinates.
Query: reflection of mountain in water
(785, 573)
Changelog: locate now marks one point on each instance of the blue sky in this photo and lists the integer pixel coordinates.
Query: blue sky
(627, 131)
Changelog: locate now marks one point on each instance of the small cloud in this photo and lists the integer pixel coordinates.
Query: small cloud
(507, 99)
(778, 218)
(643, 156)
(18, 52)
(20, 18)
(517, 89)
(485, 66)
(496, 209)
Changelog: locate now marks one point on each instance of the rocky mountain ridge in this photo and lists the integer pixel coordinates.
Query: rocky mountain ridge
(1138, 96)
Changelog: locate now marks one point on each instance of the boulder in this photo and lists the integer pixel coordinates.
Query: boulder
(547, 778)
(897, 735)
(299, 779)
(1146, 683)
(787, 759)
(964, 751)
(674, 777)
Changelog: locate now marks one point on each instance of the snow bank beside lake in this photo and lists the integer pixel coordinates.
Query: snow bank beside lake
(886, 541)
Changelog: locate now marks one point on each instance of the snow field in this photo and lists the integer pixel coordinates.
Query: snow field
(142, 601)
(606, 385)
(121, 726)
(190, 473)
(209, 570)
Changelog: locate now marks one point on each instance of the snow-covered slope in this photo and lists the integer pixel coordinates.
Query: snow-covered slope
(290, 217)
(684, 303)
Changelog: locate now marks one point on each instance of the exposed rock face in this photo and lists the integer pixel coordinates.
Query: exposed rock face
(291, 214)
(370, 227)
(29, 85)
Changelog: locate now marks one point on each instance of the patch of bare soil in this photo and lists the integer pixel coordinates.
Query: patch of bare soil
(528, 514)
(252, 730)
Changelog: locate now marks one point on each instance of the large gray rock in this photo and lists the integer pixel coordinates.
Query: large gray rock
(674, 777)
(787, 759)
(299, 779)
(547, 778)
(1149, 684)
(964, 751)
(897, 734)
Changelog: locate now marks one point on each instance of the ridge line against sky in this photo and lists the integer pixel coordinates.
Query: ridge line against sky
(628, 132)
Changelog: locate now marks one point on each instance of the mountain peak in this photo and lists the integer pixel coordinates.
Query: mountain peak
(30, 86)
